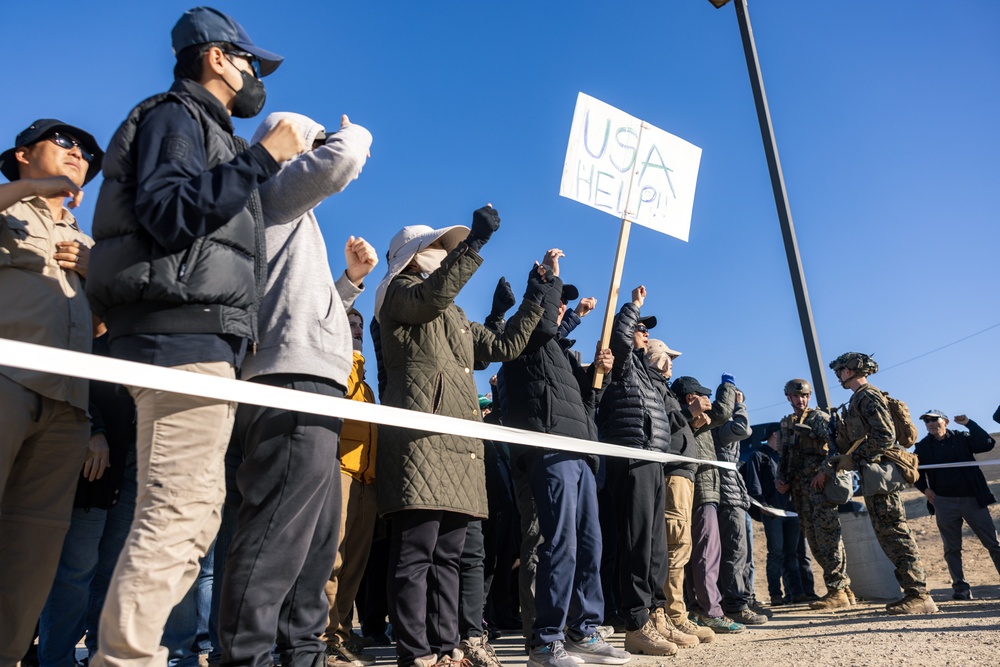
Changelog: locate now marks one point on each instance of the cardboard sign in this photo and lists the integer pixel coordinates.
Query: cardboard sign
(626, 167)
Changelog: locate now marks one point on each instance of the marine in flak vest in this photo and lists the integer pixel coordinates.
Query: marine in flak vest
(869, 425)
(805, 446)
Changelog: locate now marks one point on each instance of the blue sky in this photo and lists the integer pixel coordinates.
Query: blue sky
(885, 115)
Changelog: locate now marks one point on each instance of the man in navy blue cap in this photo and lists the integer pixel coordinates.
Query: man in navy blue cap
(957, 495)
(178, 270)
(43, 417)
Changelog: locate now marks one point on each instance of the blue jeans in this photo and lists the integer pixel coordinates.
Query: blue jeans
(568, 588)
(116, 530)
(782, 534)
(186, 631)
(62, 621)
(89, 554)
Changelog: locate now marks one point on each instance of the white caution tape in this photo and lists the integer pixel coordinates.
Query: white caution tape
(772, 510)
(92, 367)
(959, 464)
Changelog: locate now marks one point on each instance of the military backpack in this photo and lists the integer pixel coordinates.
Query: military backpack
(906, 431)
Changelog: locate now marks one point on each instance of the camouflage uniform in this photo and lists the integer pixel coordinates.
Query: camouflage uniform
(868, 417)
(802, 454)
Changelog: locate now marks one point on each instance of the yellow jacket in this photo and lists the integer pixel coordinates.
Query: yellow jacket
(358, 439)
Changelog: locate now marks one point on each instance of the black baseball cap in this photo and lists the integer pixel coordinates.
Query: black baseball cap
(204, 24)
(649, 321)
(688, 385)
(569, 293)
(43, 128)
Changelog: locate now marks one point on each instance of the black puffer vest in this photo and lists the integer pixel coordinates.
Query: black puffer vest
(138, 287)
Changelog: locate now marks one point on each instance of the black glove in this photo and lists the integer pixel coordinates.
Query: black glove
(539, 283)
(503, 297)
(485, 221)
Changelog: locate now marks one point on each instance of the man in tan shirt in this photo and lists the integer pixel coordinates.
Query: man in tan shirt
(45, 429)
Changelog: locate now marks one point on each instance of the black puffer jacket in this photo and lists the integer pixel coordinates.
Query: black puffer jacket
(137, 285)
(545, 391)
(682, 441)
(732, 486)
(631, 412)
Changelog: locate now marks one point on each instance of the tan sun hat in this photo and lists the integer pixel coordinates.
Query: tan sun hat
(657, 352)
(404, 246)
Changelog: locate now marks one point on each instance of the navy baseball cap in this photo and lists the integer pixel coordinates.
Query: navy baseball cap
(43, 128)
(204, 24)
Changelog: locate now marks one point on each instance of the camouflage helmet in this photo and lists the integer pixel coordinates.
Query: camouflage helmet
(798, 386)
(855, 361)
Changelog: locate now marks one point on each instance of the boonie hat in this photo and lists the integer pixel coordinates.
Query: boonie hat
(204, 24)
(934, 413)
(44, 128)
(689, 385)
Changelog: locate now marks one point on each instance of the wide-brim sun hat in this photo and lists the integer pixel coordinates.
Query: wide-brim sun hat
(405, 245)
(43, 128)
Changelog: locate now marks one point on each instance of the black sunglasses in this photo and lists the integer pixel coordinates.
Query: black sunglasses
(928, 420)
(67, 142)
(641, 328)
(251, 58)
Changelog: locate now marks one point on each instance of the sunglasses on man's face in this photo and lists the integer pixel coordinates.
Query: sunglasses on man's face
(67, 142)
(250, 58)
(641, 328)
(928, 420)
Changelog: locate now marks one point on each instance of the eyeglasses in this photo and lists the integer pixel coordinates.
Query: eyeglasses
(641, 328)
(250, 58)
(928, 420)
(63, 141)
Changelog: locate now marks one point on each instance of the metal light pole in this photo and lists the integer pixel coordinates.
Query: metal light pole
(781, 203)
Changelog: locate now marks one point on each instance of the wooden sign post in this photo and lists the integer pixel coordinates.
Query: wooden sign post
(628, 168)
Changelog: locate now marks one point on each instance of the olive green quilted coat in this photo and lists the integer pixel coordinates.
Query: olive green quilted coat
(428, 350)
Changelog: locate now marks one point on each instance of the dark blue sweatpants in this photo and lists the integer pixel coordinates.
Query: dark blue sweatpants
(568, 590)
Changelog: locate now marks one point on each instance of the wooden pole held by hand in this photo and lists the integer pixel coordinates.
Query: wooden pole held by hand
(612, 305)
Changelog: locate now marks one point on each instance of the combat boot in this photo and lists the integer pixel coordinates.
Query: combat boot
(670, 632)
(913, 604)
(834, 599)
(851, 596)
(647, 641)
(704, 635)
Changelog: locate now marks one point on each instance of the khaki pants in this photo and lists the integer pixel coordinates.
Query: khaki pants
(357, 525)
(42, 446)
(180, 445)
(678, 500)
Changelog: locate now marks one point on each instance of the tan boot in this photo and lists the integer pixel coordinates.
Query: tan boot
(913, 604)
(704, 635)
(850, 596)
(670, 632)
(647, 641)
(833, 599)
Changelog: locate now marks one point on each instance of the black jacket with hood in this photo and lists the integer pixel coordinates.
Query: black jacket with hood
(546, 389)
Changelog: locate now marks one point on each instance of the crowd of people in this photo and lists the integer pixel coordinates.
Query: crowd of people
(166, 527)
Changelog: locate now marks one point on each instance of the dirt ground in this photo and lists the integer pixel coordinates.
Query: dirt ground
(961, 633)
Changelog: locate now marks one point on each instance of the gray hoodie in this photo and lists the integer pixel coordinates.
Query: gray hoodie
(303, 317)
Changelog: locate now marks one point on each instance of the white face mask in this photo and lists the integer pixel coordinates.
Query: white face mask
(429, 259)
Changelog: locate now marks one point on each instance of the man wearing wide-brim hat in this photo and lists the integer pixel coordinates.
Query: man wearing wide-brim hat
(44, 427)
